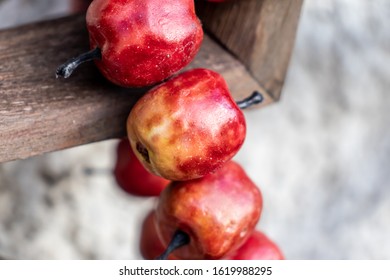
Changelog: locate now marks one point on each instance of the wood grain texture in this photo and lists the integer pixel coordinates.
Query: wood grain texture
(39, 113)
(261, 33)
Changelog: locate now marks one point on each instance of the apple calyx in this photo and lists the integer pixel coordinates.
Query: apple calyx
(143, 151)
(65, 70)
(179, 239)
(255, 98)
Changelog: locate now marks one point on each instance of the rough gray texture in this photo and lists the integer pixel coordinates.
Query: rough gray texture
(321, 155)
(17, 12)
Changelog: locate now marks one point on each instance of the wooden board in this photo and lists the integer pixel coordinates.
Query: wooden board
(260, 33)
(39, 113)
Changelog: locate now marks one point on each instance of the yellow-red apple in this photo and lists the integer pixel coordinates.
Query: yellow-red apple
(186, 127)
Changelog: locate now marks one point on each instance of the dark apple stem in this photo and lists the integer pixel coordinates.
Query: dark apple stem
(66, 69)
(254, 99)
(179, 239)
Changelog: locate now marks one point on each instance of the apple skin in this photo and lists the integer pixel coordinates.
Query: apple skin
(132, 177)
(150, 245)
(219, 212)
(186, 127)
(143, 42)
(258, 247)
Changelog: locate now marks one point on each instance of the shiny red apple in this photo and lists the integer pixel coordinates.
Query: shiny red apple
(217, 212)
(186, 127)
(132, 177)
(139, 43)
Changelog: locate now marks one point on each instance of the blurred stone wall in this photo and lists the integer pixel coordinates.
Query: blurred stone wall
(321, 156)
(17, 12)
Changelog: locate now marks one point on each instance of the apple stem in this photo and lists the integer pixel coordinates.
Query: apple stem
(255, 98)
(179, 239)
(66, 69)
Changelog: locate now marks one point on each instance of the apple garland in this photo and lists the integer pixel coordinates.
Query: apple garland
(182, 134)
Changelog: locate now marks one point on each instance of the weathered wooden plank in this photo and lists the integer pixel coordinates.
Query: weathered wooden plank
(260, 33)
(39, 113)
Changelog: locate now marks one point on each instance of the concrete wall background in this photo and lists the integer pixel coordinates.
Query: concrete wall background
(321, 156)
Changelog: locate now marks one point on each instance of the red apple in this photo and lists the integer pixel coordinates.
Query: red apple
(132, 177)
(139, 43)
(218, 212)
(186, 127)
(258, 247)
